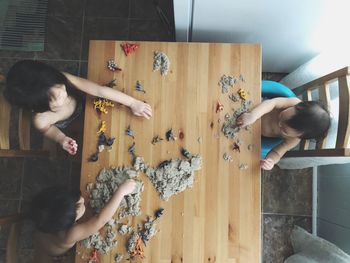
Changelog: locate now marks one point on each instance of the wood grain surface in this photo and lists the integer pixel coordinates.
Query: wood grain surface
(219, 219)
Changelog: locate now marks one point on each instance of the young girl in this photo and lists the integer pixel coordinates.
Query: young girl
(289, 119)
(55, 211)
(56, 98)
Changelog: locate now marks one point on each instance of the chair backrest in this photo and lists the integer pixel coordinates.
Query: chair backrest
(342, 77)
(24, 123)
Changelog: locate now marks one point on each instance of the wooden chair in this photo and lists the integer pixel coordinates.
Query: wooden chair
(24, 121)
(14, 222)
(342, 136)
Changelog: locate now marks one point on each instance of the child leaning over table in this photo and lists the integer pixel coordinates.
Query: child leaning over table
(55, 212)
(56, 98)
(290, 119)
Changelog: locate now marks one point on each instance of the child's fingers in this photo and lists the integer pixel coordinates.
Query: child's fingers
(148, 112)
(267, 164)
(144, 114)
(149, 109)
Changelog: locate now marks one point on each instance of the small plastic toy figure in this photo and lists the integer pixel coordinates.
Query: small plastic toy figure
(130, 132)
(102, 104)
(93, 256)
(242, 94)
(219, 107)
(139, 87)
(111, 84)
(129, 48)
(132, 149)
(138, 249)
(185, 153)
(156, 139)
(103, 127)
(102, 139)
(235, 147)
(169, 135)
(110, 141)
(159, 213)
(94, 157)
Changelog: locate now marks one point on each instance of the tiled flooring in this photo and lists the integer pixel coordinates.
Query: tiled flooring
(286, 195)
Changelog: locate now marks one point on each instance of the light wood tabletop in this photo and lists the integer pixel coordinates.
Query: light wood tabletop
(219, 219)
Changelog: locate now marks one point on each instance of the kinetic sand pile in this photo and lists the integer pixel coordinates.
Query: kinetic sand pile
(169, 178)
(107, 182)
(174, 176)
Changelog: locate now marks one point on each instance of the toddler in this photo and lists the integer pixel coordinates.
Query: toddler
(56, 98)
(290, 119)
(55, 212)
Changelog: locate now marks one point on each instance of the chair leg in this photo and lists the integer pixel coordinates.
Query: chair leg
(11, 248)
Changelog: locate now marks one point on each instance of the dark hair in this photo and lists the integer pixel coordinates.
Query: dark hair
(28, 85)
(311, 118)
(54, 209)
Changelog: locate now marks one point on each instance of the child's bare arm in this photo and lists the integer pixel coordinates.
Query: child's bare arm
(277, 153)
(139, 108)
(53, 133)
(83, 230)
(265, 107)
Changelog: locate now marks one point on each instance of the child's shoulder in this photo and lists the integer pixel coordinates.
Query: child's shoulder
(42, 121)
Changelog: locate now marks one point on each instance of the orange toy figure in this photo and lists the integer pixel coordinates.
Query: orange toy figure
(138, 249)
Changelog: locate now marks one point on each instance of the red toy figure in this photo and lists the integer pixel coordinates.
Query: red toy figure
(219, 107)
(129, 48)
(94, 255)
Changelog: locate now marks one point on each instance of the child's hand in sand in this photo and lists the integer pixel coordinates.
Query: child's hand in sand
(267, 164)
(140, 108)
(127, 187)
(69, 145)
(245, 119)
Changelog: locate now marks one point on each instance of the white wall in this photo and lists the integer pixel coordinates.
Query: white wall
(291, 31)
(323, 64)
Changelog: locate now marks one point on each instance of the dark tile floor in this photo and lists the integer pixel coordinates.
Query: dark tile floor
(286, 196)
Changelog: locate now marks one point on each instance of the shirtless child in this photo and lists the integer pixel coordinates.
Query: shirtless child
(55, 212)
(290, 119)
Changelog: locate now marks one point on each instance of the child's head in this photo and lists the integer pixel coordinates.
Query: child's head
(56, 209)
(306, 120)
(36, 86)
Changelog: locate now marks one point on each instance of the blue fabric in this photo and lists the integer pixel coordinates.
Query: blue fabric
(272, 89)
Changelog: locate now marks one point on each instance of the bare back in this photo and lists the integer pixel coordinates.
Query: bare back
(269, 124)
(47, 246)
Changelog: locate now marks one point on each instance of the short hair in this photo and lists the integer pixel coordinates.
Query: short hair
(54, 209)
(312, 119)
(28, 84)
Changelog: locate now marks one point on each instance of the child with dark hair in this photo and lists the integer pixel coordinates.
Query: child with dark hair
(56, 98)
(290, 119)
(55, 212)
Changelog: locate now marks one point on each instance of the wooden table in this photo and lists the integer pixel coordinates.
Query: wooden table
(219, 219)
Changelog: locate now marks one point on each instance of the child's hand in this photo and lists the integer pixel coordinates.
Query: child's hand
(140, 108)
(245, 119)
(127, 187)
(69, 145)
(267, 164)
